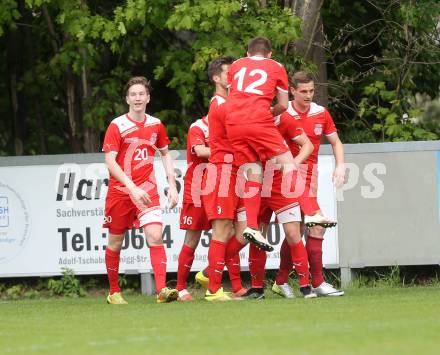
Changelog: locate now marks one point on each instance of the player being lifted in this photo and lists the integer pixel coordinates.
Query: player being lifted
(193, 218)
(316, 122)
(253, 83)
(130, 143)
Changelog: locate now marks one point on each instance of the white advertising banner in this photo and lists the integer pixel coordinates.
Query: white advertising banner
(51, 217)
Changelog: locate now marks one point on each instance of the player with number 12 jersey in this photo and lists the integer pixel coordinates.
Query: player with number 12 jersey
(254, 81)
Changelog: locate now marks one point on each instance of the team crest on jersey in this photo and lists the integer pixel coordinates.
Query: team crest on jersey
(318, 129)
(153, 138)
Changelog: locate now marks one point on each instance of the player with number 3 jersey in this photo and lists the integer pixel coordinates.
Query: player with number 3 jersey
(219, 197)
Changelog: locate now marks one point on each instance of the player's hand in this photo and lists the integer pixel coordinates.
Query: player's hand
(339, 175)
(140, 196)
(173, 196)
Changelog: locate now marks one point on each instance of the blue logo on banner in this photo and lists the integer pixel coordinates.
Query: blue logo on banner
(4, 211)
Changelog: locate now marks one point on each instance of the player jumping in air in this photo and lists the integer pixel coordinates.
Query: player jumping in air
(253, 83)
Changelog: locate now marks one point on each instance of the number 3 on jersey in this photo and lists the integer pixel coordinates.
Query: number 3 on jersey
(261, 78)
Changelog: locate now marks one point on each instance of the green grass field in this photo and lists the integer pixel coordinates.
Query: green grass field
(365, 321)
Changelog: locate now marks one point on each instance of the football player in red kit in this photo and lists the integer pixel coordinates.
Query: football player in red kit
(281, 197)
(219, 197)
(193, 217)
(130, 143)
(316, 122)
(253, 83)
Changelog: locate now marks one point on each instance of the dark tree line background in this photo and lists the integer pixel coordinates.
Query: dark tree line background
(64, 64)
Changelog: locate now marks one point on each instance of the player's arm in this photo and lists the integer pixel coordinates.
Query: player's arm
(116, 171)
(338, 152)
(306, 148)
(173, 196)
(282, 103)
(202, 151)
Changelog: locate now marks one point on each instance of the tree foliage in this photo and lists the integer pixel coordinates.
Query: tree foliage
(82, 51)
(378, 62)
(65, 63)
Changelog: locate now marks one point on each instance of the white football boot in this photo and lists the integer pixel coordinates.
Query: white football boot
(254, 236)
(319, 220)
(325, 289)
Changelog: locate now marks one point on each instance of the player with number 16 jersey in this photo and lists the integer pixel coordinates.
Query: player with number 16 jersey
(193, 215)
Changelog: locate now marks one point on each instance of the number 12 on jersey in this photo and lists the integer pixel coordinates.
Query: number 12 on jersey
(260, 76)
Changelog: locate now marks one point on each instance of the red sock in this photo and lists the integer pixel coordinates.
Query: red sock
(216, 259)
(232, 259)
(285, 264)
(186, 258)
(257, 263)
(159, 265)
(314, 251)
(252, 204)
(301, 263)
(112, 265)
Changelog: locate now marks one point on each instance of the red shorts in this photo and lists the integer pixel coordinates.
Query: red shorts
(253, 143)
(308, 200)
(122, 214)
(285, 206)
(194, 218)
(219, 196)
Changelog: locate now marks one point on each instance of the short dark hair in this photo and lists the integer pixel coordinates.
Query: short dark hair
(138, 80)
(259, 45)
(215, 67)
(300, 77)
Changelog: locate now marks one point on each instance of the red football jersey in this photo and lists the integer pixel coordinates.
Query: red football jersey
(198, 134)
(253, 83)
(218, 140)
(290, 130)
(135, 144)
(316, 122)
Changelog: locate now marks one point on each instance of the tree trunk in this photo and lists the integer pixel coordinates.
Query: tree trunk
(311, 44)
(14, 60)
(72, 112)
(91, 135)
(42, 129)
(319, 58)
(17, 115)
